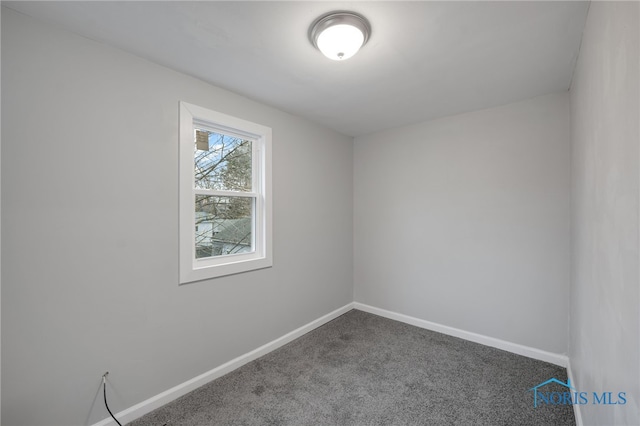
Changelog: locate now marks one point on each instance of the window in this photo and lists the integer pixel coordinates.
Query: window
(225, 194)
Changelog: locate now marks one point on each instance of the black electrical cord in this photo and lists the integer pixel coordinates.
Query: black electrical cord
(104, 382)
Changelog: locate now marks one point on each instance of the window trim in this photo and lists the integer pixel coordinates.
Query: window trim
(191, 268)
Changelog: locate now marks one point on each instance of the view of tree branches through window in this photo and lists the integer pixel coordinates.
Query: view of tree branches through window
(223, 223)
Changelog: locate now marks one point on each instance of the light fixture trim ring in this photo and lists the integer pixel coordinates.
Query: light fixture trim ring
(340, 17)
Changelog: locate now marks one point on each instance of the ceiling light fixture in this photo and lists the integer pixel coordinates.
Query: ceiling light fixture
(339, 35)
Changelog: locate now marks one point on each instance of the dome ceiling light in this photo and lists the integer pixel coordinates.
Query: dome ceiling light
(339, 35)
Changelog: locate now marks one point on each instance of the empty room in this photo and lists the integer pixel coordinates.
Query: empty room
(320, 213)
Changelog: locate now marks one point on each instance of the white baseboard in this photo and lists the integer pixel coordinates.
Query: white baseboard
(175, 392)
(553, 358)
(139, 410)
(576, 407)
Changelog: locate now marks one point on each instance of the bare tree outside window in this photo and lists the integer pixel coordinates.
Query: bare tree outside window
(224, 223)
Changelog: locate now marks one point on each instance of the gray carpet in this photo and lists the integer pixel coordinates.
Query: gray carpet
(362, 369)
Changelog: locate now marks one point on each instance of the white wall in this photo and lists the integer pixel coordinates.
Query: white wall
(0, 244)
(90, 231)
(464, 221)
(605, 331)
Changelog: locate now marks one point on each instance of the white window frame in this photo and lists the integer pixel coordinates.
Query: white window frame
(192, 269)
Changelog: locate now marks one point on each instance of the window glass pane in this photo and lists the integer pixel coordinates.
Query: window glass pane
(221, 162)
(223, 225)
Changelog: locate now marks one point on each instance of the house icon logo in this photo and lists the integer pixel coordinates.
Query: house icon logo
(545, 396)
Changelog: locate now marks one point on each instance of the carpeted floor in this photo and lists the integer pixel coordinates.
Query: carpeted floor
(362, 369)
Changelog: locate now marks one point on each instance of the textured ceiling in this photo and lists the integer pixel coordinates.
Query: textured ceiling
(424, 59)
